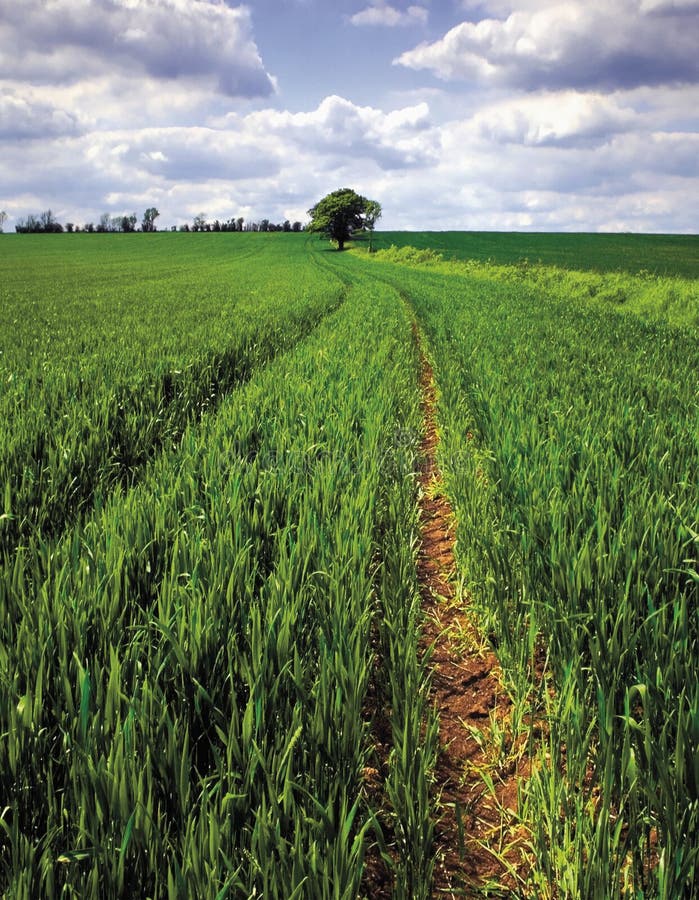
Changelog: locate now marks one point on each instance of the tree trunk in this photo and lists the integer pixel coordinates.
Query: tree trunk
(340, 243)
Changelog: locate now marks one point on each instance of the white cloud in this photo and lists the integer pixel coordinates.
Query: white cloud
(25, 117)
(339, 128)
(532, 139)
(161, 156)
(271, 162)
(599, 163)
(381, 13)
(501, 9)
(68, 40)
(564, 118)
(590, 44)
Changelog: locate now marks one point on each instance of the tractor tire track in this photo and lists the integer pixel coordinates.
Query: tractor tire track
(467, 691)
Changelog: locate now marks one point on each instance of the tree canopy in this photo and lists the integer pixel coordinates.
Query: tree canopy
(149, 217)
(341, 213)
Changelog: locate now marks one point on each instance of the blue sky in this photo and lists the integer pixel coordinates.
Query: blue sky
(464, 114)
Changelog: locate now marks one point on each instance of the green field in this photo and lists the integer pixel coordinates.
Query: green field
(661, 254)
(209, 447)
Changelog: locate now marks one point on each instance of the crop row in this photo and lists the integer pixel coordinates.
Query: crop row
(184, 672)
(570, 446)
(94, 384)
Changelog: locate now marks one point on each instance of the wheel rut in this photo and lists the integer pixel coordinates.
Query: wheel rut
(476, 848)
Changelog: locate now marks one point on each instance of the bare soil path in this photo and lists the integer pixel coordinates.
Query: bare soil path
(478, 845)
(475, 828)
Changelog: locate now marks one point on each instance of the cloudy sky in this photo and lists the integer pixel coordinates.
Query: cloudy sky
(464, 114)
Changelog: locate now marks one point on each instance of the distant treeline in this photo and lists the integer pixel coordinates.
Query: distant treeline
(239, 224)
(46, 223)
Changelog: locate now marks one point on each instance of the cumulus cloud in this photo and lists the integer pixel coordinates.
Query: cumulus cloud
(169, 155)
(267, 162)
(25, 118)
(338, 128)
(627, 160)
(381, 13)
(561, 119)
(65, 40)
(469, 175)
(103, 109)
(593, 44)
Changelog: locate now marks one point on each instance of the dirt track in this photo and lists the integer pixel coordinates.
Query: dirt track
(467, 691)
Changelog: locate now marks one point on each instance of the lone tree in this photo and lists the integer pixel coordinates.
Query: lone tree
(340, 214)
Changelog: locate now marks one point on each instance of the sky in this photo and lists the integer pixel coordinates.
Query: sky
(453, 114)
